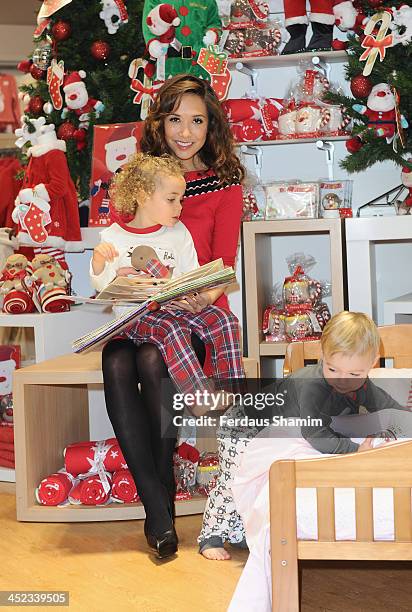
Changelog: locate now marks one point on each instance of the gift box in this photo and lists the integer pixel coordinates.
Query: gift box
(213, 60)
(285, 200)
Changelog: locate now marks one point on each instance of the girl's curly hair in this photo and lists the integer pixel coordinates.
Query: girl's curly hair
(138, 176)
(218, 151)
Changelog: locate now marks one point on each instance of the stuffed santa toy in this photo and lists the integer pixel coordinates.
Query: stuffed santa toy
(162, 22)
(199, 26)
(78, 100)
(46, 209)
(253, 119)
(407, 182)
(323, 14)
(380, 111)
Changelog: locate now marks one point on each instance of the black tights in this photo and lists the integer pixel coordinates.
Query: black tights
(137, 417)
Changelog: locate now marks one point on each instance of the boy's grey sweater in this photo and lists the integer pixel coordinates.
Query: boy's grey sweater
(310, 395)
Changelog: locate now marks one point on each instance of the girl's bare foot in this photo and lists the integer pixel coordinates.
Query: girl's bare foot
(216, 554)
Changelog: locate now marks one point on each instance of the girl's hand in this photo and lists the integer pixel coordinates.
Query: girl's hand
(105, 251)
(129, 271)
(194, 303)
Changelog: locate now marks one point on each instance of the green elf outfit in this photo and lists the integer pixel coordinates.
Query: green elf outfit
(196, 18)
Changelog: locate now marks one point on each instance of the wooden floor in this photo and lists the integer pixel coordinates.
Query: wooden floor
(105, 566)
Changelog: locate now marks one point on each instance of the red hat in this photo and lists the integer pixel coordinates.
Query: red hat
(73, 77)
(121, 133)
(163, 14)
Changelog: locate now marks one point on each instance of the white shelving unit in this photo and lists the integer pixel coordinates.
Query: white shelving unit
(281, 61)
(398, 310)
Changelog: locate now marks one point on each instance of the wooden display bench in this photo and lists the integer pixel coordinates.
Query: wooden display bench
(50, 412)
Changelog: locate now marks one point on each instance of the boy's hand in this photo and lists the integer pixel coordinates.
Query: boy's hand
(366, 445)
(105, 251)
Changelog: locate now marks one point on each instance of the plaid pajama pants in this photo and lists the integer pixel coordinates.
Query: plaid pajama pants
(171, 333)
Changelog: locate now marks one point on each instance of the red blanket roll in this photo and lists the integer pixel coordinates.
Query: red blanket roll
(54, 489)
(85, 457)
(123, 487)
(4, 446)
(90, 492)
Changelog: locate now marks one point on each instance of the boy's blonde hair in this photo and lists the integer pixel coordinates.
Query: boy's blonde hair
(138, 176)
(350, 333)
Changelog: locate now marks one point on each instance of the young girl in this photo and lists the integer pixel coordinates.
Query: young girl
(187, 122)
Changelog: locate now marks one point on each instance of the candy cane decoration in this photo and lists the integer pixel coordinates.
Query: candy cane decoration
(375, 46)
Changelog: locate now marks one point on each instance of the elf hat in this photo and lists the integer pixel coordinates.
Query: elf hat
(163, 14)
(74, 78)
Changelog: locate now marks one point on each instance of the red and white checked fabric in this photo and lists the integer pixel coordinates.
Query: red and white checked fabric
(171, 333)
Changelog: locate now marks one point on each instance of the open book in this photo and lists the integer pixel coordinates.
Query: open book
(208, 276)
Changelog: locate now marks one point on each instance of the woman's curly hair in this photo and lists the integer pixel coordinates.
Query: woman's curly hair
(138, 176)
(218, 151)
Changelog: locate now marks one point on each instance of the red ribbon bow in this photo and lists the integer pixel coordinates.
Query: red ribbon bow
(369, 43)
(141, 90)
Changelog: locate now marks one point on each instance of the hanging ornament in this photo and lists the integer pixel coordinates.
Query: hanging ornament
(360, 86)
(48, 108)
(114, 14)
(36, 105)
(66, 130)
(24, 66)
(61, 30)
(50, 7)
(354, 144)
(55, 76)
(100, 50)
(42, 55)
(376, 44)
(401, 25)
(37, 73)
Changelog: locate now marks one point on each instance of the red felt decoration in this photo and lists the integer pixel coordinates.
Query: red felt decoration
(100, 50)
(66, 131)
(24, 66)
(36, 105)
(360, 86)
(37, 73)
(61, 30)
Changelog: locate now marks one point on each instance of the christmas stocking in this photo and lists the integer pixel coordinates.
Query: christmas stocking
(35, 219)
(55, 75)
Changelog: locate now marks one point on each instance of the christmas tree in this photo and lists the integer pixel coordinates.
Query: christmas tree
(101, 38)
(379, 72)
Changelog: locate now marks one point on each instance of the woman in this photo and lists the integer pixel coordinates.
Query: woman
(187, 122)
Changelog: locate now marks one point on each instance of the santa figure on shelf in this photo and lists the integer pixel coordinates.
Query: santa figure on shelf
(77, 99)
(46, 209)
(323, 15)
(380, 110)
(120, 147)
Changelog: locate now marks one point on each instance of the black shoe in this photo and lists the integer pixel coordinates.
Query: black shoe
(297, 42)
(321, 37)
(164, 544)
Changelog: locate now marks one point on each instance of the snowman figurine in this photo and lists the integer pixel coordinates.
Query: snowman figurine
(77, 99)
(114, 14)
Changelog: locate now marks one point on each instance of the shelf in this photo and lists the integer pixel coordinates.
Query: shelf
(270, 349)
(280, 61)
(111, 512)
(264, 143)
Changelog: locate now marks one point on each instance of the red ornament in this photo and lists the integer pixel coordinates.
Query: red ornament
(354, 144)
(100, 50)
(24, 66)
(61, 30)
(66, 131)
(360, 86)
(339, 45)
(37, 73)
(79, 135)
(36, 105)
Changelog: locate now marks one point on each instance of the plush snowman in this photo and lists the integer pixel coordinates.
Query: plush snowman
(78, 100)
(114, 14)
(380, 111)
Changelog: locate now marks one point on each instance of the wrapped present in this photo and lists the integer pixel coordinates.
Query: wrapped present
(91, 457)
(213, 60)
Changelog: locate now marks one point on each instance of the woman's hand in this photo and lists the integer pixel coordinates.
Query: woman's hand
(105, 251)
(194, 303)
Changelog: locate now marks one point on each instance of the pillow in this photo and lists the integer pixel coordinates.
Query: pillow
(395, 381)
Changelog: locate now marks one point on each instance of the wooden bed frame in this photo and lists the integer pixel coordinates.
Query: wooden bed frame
(389, 466)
